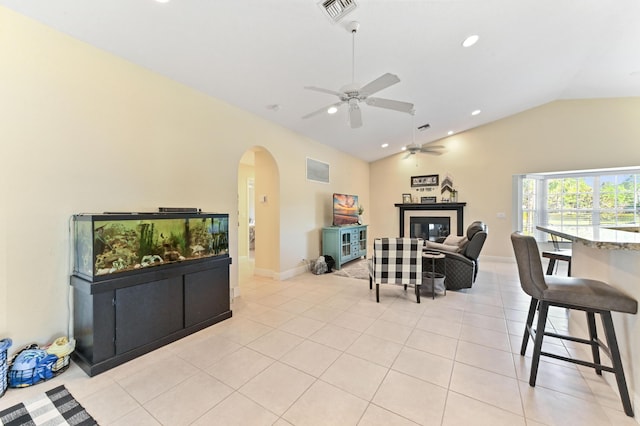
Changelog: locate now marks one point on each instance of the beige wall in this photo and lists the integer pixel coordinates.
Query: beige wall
(268, 210)
(245, 173)
(84, 131)
(563, 135)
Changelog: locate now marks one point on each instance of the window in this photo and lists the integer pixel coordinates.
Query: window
(586, 198)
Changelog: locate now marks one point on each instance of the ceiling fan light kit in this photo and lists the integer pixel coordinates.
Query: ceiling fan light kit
(352, 94)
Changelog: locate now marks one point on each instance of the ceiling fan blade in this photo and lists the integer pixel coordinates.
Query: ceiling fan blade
(390, 104)
(409, 154)
(355, 117)
(379, 84)
(321, 90)
(321, 110)
(433, 152)
(426, 148)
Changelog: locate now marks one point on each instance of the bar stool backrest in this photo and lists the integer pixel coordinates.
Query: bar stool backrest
(529, 265)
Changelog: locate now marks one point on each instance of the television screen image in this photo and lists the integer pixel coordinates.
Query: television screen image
(345, 209)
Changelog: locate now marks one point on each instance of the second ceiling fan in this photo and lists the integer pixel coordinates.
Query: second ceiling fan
(352, 94)
(413, 148)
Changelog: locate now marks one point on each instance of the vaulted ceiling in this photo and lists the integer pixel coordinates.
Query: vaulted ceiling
(260, 54)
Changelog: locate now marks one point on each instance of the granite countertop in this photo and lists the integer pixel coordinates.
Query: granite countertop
(612, 238)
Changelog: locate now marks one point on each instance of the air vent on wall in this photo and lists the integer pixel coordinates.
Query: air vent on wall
(337, 9)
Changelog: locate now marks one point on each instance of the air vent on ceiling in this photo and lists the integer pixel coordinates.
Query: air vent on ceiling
(337, 9)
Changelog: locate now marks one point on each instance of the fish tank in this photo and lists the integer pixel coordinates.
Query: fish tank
(111, 244)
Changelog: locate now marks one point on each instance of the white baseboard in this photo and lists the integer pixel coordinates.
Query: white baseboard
(267, 273)
(290, 273)
(234, 292)
(281, 276)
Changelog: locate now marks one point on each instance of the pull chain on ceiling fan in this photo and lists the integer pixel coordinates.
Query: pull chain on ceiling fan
(352, 94)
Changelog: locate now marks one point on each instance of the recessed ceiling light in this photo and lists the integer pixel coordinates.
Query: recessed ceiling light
(471, 40)
(476, 112)
(450, 132)
(332, 110)
(385, 145)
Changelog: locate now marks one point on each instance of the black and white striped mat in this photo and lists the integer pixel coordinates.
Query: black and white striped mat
(54, 407)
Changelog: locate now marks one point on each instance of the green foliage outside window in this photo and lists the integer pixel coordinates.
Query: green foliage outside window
(571, 200)
(584, 200)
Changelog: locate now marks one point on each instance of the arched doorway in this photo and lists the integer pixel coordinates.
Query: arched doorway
(258, 215)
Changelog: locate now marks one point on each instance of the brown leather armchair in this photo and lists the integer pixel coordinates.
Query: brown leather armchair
(461, 256)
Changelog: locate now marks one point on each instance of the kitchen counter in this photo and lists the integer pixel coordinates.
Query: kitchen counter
(613, 238)
(612, 256)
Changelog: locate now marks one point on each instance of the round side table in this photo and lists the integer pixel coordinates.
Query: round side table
(433, 256)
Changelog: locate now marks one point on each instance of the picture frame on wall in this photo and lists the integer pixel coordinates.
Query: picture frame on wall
(428, 200)
(425, 180)
(406, 198)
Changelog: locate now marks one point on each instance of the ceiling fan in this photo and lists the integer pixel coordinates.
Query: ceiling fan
(413, 148)
(352, 94)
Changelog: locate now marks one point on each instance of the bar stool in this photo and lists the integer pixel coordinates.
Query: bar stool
(557, 254)
(591, 296)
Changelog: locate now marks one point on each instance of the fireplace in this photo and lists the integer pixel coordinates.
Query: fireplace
(432, 213)
(429, 227)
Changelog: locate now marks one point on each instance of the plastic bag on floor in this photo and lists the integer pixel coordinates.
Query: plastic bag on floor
(320, 266)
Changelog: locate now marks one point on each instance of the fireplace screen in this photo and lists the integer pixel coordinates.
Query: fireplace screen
(429, 228)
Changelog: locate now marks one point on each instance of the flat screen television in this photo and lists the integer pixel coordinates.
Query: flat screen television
(345, 209)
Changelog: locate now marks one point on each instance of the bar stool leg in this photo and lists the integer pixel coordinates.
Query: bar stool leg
(532, 313)
(537, 346)
(593, 337)
(552, 264)
(612, 342)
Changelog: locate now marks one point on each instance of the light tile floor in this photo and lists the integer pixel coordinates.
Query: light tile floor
(318, 350)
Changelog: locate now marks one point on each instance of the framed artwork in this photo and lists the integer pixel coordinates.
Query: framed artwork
(427, 200)
(317, 171)
(406, 198)
(426, 180)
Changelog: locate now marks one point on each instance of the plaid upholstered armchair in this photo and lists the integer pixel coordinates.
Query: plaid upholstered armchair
(396, 261)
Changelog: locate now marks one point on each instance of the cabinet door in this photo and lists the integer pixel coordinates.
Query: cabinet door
(206, 295)
(148, 312)
(345, 246)
(362, 238)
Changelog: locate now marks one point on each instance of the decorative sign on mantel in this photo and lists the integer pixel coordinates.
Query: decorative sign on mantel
(427, 180)
(447, 190)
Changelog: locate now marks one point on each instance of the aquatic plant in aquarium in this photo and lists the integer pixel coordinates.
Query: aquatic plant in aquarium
(115, 243)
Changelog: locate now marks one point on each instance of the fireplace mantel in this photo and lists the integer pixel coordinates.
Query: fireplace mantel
(457, 207)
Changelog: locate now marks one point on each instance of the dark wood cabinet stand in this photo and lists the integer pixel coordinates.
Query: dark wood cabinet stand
(119, 319)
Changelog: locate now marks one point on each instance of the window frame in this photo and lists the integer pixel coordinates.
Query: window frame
(529, 215)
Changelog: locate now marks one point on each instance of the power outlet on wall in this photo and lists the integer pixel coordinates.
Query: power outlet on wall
(501, 215)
